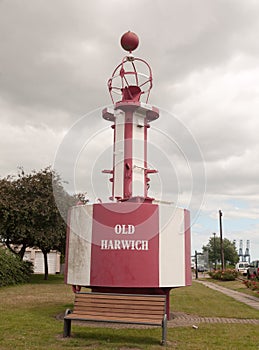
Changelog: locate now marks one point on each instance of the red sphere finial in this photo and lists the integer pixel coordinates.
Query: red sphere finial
(129, 41)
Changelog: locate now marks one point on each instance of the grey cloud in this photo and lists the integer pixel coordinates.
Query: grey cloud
(56, 58)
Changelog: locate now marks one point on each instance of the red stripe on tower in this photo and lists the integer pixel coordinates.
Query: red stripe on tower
(145, 158)
(128, 154)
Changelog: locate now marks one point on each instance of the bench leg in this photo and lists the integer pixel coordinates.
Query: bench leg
(164, 330)
(67, 325)
(67, 328)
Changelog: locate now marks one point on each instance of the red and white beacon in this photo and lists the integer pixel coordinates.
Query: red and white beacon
(134, 243)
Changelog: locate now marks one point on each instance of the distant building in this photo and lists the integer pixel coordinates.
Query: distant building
(36, 257)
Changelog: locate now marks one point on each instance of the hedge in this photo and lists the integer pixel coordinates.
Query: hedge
(12, 269)
(226, 275)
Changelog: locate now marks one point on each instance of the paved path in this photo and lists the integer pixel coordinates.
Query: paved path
(179, 319)
(183, 319)
(243, 298)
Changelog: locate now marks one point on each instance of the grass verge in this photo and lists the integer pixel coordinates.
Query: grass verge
(203, 301)
(28, 321)
(236, 285)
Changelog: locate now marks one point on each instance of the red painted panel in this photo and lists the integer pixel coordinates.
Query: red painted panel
(114, 150)
(125, 259)
(145, 159)
(128, 154)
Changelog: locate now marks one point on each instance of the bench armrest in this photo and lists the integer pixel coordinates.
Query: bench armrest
(68, 311)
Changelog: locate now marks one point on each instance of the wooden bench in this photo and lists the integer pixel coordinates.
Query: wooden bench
(118, 308)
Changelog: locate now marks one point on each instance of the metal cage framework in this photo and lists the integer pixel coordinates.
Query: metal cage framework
(128, 83)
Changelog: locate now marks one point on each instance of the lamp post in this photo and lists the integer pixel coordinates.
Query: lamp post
(221, 241)
(214, 249)
(196, 264)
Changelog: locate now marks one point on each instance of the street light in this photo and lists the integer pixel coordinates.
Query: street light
(196, 263)
(221, 241)
(214, 249)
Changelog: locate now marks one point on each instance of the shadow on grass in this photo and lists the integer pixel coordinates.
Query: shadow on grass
(116, 336)
(52, 279)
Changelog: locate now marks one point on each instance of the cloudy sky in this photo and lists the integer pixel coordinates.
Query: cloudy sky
(56, 58)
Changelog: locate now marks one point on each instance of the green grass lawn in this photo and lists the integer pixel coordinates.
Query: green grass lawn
(203, 301)
(28, 321)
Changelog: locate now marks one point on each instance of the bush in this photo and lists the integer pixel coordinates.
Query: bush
(12, 269)
(226, 275)
(252, 284)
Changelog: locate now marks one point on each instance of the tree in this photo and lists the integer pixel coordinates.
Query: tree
(49, 225)
(29, 216)
(213, 248)
(16, 223)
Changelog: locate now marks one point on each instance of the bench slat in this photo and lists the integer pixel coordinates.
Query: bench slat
(153, 308)
(120, 310)
(118, 314)
(124, 319)
(120, 302)
(121, 297)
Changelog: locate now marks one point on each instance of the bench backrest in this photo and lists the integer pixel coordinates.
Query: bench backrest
(142, 308)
